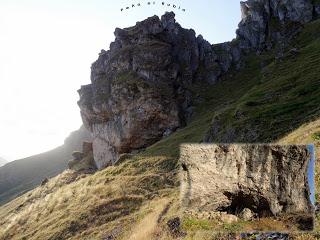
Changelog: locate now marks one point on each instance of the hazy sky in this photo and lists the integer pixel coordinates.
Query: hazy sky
(46, 50)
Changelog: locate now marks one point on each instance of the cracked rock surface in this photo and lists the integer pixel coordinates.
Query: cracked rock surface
(268, 180)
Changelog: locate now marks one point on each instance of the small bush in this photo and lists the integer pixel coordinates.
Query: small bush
(192, 224)
(316, 136)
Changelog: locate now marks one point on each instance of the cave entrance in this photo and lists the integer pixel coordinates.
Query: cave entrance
(253, 201)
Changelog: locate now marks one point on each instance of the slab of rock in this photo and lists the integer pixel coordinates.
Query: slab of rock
(229, 218)
(269, 180)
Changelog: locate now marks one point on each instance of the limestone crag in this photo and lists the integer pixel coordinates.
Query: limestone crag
(138, 93)
(139, 87)
(265, 22)
(268, 180)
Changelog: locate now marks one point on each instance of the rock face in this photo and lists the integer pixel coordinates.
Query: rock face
(138, 93)
(265, 22)
(266, 180)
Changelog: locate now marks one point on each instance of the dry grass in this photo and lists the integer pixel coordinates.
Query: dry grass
(85, 206)
(306, 236)
(269, 224)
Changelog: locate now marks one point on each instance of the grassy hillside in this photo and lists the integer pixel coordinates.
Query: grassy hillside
(269, 100)
(21, 176)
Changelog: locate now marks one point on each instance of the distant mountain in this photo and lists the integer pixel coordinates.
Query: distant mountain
(22, 175)
(2, 161)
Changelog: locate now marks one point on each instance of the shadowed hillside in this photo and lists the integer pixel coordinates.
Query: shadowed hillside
(2, 161)
(20, 176)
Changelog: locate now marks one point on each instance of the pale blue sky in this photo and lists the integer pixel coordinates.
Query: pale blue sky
(46, 50)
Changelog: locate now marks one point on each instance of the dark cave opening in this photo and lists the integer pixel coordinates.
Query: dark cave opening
(184, 167)
(253, 201)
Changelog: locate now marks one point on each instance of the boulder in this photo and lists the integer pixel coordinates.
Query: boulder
(228, 218)
(174, 227)
(44, 181)
(85, 164)
(83, 161)
(246, 214)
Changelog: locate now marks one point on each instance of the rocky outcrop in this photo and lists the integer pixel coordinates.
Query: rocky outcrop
(138, 93)
(139, 87)
(267, 22)
(266, 180)
(83, 161)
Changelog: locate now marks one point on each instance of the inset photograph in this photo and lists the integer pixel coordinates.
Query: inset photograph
(248, 187)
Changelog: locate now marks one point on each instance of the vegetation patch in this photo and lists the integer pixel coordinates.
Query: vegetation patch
(316, 136)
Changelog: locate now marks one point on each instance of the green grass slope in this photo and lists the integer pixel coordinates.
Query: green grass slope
(268, 100)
